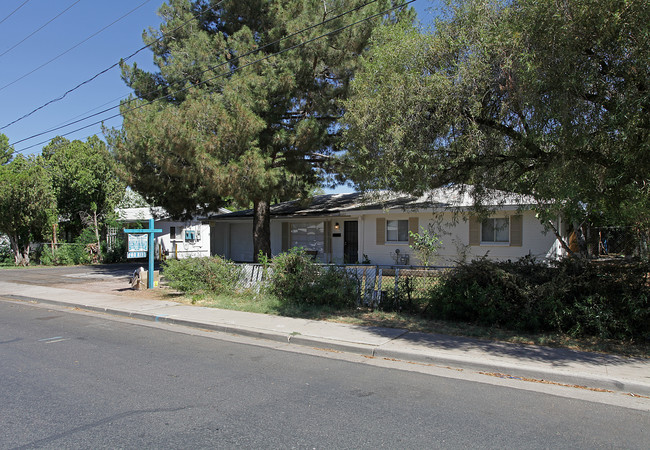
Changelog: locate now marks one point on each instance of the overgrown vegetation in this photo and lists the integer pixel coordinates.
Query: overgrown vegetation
(571, 300)
(202, 275)
(69, 254)
(573, 296)
(295, 278)
(6, 256)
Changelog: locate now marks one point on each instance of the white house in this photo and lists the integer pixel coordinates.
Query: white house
(179, 239)
(349, 228)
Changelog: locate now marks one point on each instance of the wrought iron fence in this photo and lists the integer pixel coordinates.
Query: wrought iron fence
(401, 286)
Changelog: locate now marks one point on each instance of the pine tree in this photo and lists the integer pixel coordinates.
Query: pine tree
(266, 131)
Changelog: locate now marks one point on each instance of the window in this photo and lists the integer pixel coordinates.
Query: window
(495, 230)
(397, 230)
(172, 233)
(310, 236)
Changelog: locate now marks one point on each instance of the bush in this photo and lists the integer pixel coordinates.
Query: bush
(68, 254)
(6, 255)
(195, 275)
(116, 254)
(296, 278)
(574, 296)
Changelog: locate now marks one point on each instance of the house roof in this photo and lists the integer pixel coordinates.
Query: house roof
(336, 204)
(154, 212)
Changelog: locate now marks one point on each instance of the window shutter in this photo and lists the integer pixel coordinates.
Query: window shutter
(285, 236)
(381, 231)
(516, 231)
(474, 231)
(414, 226)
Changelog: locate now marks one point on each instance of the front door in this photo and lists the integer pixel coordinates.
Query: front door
(350, 242)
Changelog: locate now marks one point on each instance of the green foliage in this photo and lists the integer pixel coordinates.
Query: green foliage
(115, 254)
(425, 245)
(537, 97)
(85, 180)
(296, 279)
(574, 296)
(27, 205)
(202, 275)
(6, 256)
(263, 133)
(69, 254)
(6, 150)
(132, 199)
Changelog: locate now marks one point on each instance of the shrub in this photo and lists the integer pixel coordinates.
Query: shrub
(6, 255)
(117, 253)
(296, 278)
(194, 275)
(574, 296)
(68, 254)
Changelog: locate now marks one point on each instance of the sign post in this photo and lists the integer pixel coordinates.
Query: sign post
(140, 244)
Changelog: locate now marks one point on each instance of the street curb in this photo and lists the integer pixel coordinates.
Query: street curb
(581, 380)
(523, 372)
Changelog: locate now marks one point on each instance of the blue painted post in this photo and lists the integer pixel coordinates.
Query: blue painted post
(151, 231)
(136, 254)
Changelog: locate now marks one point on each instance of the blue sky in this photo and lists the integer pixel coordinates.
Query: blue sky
(21, 92)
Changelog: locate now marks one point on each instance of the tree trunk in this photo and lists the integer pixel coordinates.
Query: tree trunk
(99, 245)
(560, 239)
(261, 229)
(21, 255)
(580, 235)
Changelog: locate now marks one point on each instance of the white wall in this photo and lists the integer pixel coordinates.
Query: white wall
(237, 239)
(241, 242)
(179, 247)
(455, 239)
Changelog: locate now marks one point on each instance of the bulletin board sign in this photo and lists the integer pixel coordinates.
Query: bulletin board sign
(137, 245)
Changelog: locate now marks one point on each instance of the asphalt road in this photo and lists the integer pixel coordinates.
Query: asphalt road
(89, 381)
(46, 276)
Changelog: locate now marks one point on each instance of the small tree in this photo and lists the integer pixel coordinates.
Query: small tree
(85, 181)
(27, 205)
(425, 245)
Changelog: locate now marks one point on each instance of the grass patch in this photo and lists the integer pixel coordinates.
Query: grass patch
(264, 303)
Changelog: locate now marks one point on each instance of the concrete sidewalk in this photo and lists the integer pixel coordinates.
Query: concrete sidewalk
(542, 363)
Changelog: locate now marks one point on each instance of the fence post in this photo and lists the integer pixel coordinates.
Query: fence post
(396, 287)
(379, 275)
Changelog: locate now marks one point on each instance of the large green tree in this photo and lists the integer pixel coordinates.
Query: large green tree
(255, 135)
(86, 182)
(543, 97)
(27, 202)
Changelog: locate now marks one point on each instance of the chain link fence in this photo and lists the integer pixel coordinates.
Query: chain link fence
(623, 241)
(401, 286)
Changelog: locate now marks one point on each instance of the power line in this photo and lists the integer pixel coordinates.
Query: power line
(15, 10)
(40, 28)
(74, 46)
(201, 73)
(230, 72)
(217, 76)
(61, 97)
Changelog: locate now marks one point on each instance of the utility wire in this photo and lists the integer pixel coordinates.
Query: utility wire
(39, 29)
(338, 30)
(12, 12)
(201, 73)
(61, 97)
(74, 46)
